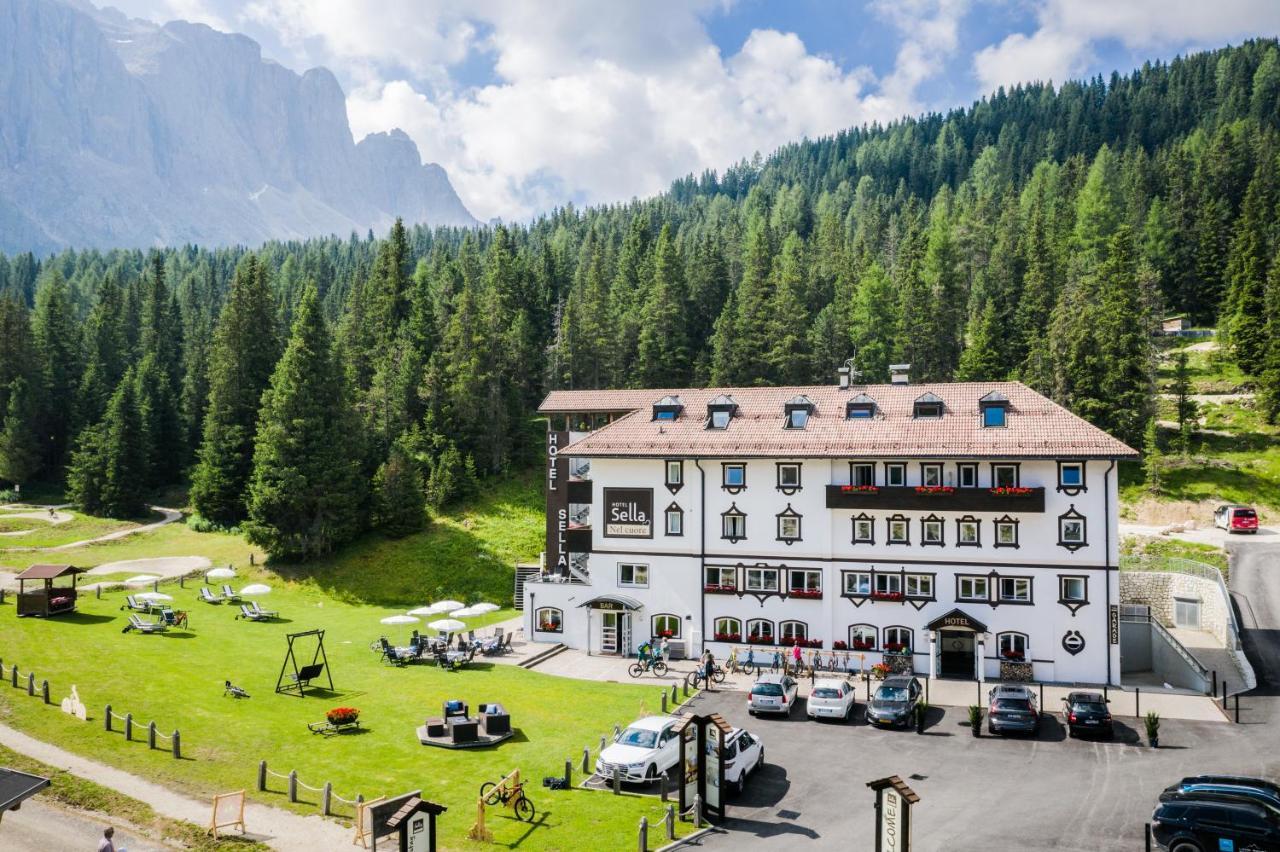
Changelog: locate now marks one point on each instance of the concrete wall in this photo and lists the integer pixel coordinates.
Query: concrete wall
(1135, 647)
(1158, 589)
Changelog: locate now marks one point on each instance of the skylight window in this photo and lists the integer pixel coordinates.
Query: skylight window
(928, 407)
(797, 418)
(720, 419)
(720, 411)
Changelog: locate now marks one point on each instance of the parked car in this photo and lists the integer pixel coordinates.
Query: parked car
(1243, 780)
(646, 749)
(1210, 826)
(772, 693)
(1228, 792)
(743, 754)
(831, 698)
(1236, 519)
(1012, 708)
(1087, 713)
(894, 702)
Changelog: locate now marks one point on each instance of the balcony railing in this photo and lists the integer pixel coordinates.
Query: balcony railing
(942, 498)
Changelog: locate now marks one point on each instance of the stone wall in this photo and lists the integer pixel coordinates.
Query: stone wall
(1158, 589)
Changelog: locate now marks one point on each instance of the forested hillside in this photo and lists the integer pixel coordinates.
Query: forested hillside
(1038, 234)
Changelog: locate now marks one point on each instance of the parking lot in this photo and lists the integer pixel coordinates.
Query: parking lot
(989, 793)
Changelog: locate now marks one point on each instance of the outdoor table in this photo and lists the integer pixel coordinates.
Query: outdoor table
(464, 730)
(436, 727)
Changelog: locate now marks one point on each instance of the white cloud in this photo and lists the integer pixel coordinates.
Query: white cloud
(1062, 45)
(930, 30)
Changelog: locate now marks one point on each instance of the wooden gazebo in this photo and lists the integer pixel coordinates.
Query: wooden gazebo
(47, 599)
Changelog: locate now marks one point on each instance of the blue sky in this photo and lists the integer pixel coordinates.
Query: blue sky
(529, 105)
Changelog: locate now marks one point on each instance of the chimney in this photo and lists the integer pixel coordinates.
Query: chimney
(899, 374)
(846, 374)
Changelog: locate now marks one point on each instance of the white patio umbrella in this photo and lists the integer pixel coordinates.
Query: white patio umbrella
(423, 610)
(155, 596)
(255, 589)
(400, 619)
(142, 580)
(220, 574)
(445, 606)
(447, 625)
(482, 608)
(465, 612)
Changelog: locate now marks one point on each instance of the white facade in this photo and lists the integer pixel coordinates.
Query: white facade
(1048, 596)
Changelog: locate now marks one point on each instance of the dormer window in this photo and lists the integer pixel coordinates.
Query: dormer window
(995, 410)
(668, 408)
(798, 409)
(861, 407)
(720, 411)
(928, 407)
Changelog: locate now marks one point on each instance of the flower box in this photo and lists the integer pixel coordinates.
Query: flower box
(728, 637)
(896, 648)
(1013, 656)
(1010, 491)
(863, 646)
(812, 594)
(759, 640)
(887, 596)
(342, 715)
(839, 645)
(713, 589)
(935, 489)
(860, 489)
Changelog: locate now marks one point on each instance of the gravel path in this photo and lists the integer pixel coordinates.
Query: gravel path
(277, 828)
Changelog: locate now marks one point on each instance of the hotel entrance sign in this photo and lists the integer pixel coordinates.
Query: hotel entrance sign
(893, 814)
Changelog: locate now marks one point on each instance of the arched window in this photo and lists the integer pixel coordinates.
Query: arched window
(728, 630)
(793, 630)
(862, 637)
(666, 625)
(550, 620)
(897, 639)
(1013, 646)
(760, 631)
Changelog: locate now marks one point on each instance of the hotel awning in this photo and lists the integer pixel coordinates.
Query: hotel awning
(613, 602)
(16, 787)
(957, 619)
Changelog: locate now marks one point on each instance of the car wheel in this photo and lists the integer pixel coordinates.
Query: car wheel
(1185, 846)
(759, 760)
(651, 774)
(991, 730)
(751, 711)
(740, 784)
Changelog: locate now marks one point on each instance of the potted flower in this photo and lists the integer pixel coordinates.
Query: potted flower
(1009, 491)
(728, 637)
(1012, 655)
(863, 644)
(859, 489)
(1152, 724)
(342, 716)
(975, 719)
(666, 634)
(839, 645)
(895, 648)
(935, 489)
(880, 671)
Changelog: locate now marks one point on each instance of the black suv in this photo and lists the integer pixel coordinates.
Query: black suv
(1209, 826)
(895, 702)
(1086, 712)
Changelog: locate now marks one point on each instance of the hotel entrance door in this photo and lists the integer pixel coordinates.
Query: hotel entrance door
(615, 633)
(956, 654)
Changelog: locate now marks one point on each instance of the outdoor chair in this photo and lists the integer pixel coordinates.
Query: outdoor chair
(454, 709)
(263, 613)
(172, 618)
(136, 623)
(132, 603)
(492, 647)
(234, 691)
(248, 612)
(305, 675)
(506, 645)
(494, 719)
(392, 654)
(208, 596)
(228, 594)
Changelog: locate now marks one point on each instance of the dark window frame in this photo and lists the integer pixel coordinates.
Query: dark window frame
(633, 584)
(911, 637)
(793, 621)
(888, 529)
(853, 523)
(772, 634)
(746, 585)
(1007, 519)
(788, 489)
(942, 530)
(792, 572)
(537, 619)
(1072, 515)
(673, 487)
(844, 583)
(853, 479)
(715, 622)
(789, 513)
(933, 585)
(1026, 644)
(1071, 603)
(986, 578)
(961, 467)
(653, 624)
(734, 511)
(1073, 490)
(875, 636)
(724, 477)
(1003, 601)
(942, 473)
(977, 528)
(1017, 473)
(675, 509)
(901, 467)
(993, 406)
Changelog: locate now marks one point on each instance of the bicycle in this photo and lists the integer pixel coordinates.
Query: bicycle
(493, 796)
(749, 666)
(717, 675)
(657, 666)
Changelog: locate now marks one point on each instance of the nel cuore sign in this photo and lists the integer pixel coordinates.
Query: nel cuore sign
(893, 814)
(628, 512)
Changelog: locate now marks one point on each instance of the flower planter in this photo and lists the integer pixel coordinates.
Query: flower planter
(728, 637)
(719, 590)
(892, 597)
(806, 594)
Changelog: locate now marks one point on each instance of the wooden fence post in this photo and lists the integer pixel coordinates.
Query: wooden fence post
(293, 785)
(13, 679)
(177, 744)
(675, 698)
(44, 691)
(664, 702)
(697, 811)
(643, 844)
(97, 591)
(662, 786)
(670, 820)
(586, 760)
(262, 776)
(568, 773)
(151, 735)
(326, 796)
(106, 718)
(31, 684)
(128, 727)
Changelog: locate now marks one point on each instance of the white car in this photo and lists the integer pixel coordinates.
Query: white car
(645, 750)
(743, 754)
(772, 693)
(831, 699)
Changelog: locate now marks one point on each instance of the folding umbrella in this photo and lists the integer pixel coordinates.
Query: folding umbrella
(220, 574)
(155, 596)
(142, 580)
(423, 610)
(465, 612)
(445, 606)
(400, 619)
(482, 608)
(255, 589)
(447, 625)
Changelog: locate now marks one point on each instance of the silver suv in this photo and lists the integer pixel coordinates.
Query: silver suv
(1012, 708)
(772, 693)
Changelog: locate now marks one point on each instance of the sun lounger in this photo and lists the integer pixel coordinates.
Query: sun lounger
(132, 603)
(208, 596)
(263, 613)
(248, 612)
(136, 623)
(228, 594)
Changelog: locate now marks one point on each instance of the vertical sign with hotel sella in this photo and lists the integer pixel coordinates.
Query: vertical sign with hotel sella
(557, 502)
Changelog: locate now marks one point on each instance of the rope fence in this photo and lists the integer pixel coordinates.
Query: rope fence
(29, 682)
(292, 784)
(174, 740)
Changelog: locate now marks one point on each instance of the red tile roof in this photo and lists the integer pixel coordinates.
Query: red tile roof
(1036, 426)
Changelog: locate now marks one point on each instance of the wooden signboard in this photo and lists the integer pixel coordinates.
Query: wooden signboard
(893, 814)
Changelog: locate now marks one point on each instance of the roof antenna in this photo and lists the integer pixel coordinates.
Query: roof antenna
(848, 374)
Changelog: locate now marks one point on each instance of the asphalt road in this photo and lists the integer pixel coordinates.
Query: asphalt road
(1050, 793)
(40, 827)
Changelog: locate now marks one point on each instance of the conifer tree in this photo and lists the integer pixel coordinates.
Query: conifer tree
(874, 321)
(243, 354)
(107, 475)
(788, 345)
(57, 346)
(306, 495)
(106, 352)
(1184, 406)
(755, 297)
(399, 505)
(663, 348)
(19, 440)
(1243, 312)
(980, 361)
(1152, 458)
(159, 376)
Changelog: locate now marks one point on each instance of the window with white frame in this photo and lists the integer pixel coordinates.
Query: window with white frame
(967, 532)
(762, 580)
(1013, 646)
(675, 475)
(793, 630)
(862, 637)
(805, 581)
(1006, 532)
(930, 474)
(630, 574)
(1071, 476)
(857, 583)
(733, 476)
(760, 630)
(919, 586)
(1004, 476)
(967, 475)
(862, 473)
(549, 620)
(675, 520)
(888, 584)
(1071, 530)
(788, 525)
(864, 529)
(931, 531)
(1073, 589)
(899, 530)
(728, 630)
(895, 474)
(789, 477)
(972, 589)
(666, 625)
(721, 578)
(733, 524)
(1015, 590)
(897, 639)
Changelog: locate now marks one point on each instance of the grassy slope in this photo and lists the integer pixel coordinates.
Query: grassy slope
(79, 528)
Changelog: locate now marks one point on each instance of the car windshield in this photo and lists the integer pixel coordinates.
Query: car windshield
(773, 689)
(1246, 513)
(1013, 704)
(1088, 707)
(891, 693)
(638, 737)
(826, 692)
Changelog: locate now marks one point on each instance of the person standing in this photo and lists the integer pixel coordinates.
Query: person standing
(663, 648)
(708, 666)
(106, 844)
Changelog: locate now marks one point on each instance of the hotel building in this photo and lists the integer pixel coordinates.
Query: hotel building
(949, 529)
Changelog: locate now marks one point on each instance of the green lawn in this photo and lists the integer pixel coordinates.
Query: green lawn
(1209, 371)
(79, 528)
(9, 524)
(1142, 551)
(176, 679)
